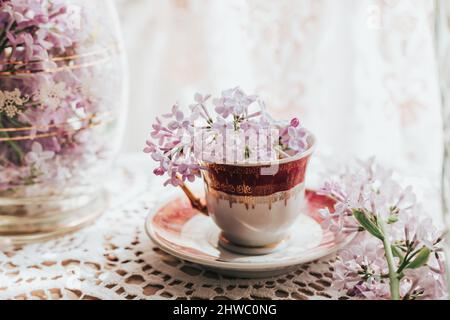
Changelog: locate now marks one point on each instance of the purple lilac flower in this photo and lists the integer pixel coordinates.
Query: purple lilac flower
(370, 201)
(181, 141)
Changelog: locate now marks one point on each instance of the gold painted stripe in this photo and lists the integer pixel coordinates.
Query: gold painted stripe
(53, 134)
(65, 58)
(64, 68)
(47, 127)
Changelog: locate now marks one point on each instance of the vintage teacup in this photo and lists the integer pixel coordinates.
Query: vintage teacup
(255, 205)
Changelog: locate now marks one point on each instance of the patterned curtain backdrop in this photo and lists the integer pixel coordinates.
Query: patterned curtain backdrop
(361, 74)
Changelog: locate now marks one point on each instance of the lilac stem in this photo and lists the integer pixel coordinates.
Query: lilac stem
(394, 282)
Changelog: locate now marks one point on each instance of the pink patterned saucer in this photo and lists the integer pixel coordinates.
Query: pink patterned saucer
(185, 233)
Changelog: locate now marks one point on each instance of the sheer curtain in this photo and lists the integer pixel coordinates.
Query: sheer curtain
(361, 74)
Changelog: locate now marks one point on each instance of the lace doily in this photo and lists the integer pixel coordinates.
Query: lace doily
(114, 259)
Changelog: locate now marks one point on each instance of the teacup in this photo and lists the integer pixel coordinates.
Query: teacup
(255, 205)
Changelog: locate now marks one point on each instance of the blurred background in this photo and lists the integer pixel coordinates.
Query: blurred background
(361, 74)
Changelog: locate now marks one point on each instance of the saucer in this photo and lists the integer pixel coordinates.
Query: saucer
(185, 233)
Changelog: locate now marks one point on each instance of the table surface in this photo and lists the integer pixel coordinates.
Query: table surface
(115, 259)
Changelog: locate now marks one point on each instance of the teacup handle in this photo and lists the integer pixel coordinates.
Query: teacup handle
(195, 201)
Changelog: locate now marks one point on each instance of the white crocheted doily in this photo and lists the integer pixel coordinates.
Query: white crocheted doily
(115, 259)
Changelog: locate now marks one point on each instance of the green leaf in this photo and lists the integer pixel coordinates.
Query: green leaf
(420, 260)
(365, 222)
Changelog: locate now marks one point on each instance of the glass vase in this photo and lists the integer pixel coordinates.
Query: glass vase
(62, 111)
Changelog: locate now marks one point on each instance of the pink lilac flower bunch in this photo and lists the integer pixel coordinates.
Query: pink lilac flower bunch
(47, 119)
(294, 136)
(235, 129)
(397, 253)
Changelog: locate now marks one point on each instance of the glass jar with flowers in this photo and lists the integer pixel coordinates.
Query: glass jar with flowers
(62, 109)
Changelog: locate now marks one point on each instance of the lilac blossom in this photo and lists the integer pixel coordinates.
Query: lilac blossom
(38, 156)
(238, 131)
(234, 102)
(294, 136)
(397, 254)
